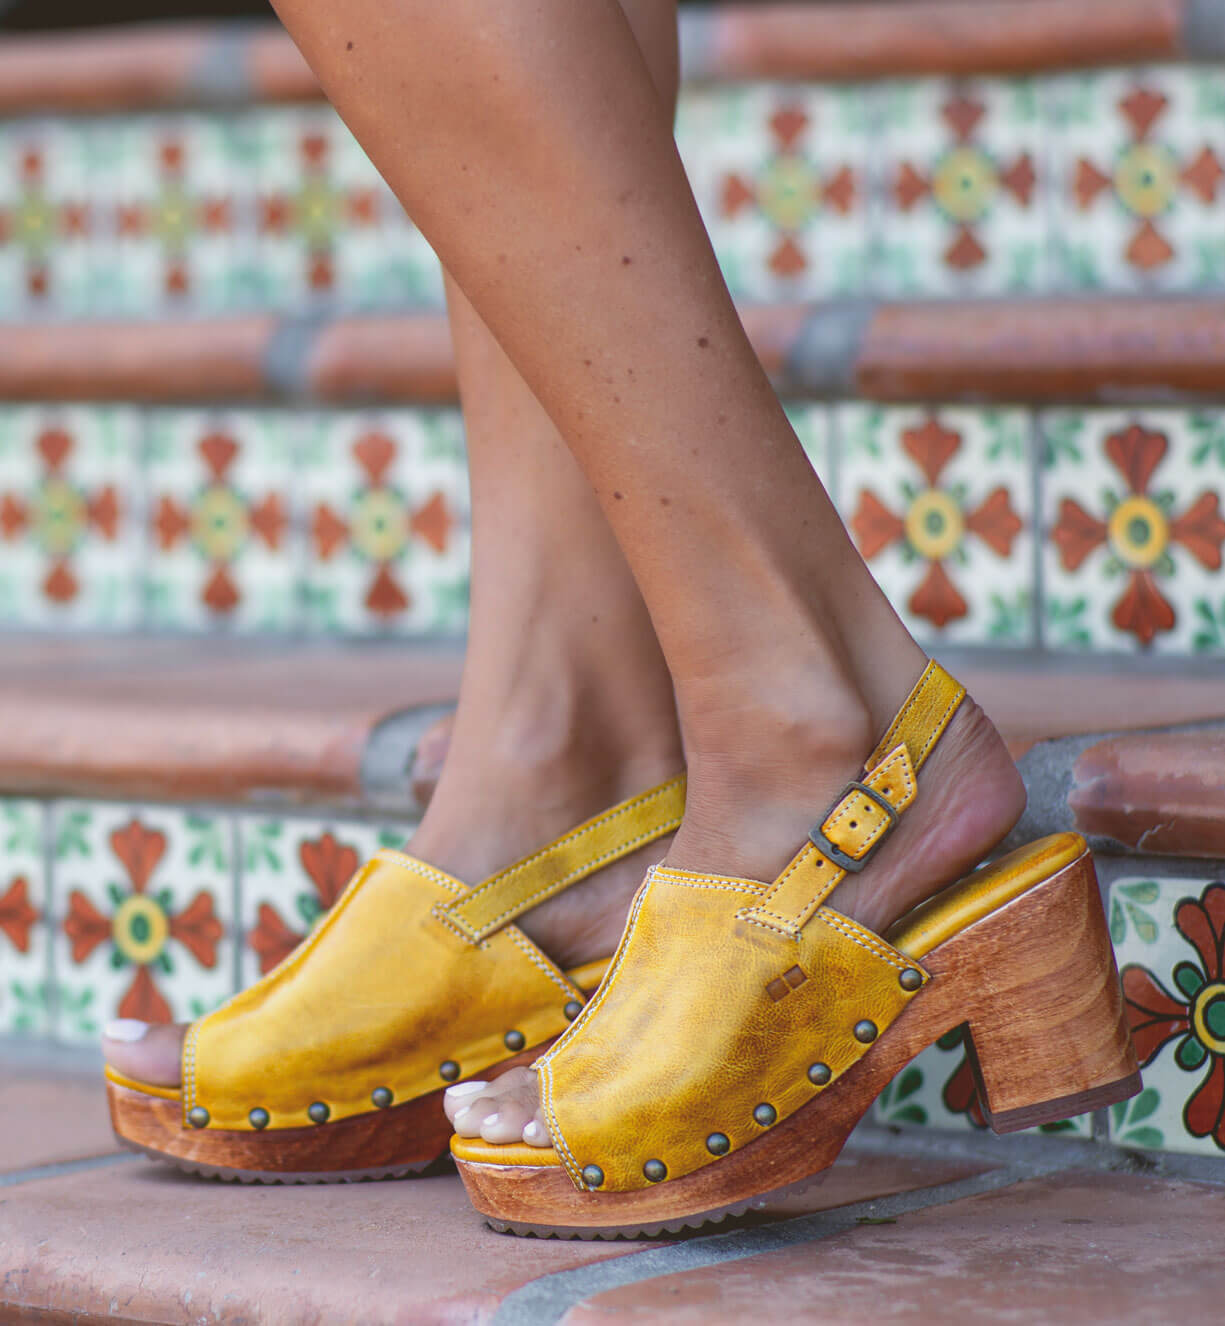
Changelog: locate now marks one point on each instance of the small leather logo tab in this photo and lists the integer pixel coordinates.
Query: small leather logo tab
(781, 986)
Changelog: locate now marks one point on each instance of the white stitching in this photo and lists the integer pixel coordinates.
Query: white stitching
(862, 937)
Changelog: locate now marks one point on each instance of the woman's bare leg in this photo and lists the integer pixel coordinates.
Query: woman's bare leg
(525, 142)
(566, 705)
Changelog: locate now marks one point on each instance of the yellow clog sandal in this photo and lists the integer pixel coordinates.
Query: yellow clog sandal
(333, 1067)
(744, 1028)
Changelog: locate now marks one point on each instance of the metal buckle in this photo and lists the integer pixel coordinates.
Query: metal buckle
(851, 864)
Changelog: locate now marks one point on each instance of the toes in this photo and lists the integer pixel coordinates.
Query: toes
(508, 1122)
(469, 1120)
(459, 1097)
(536, 1132)
(145, 1052)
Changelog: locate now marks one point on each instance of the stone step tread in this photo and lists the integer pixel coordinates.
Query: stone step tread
(1040, 350)
(168, 66)
(206, 720)
(141, 1243)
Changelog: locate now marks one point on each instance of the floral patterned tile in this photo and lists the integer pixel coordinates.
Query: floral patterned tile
(813, 428)
(939, 504)
(1140, 178)
(937, 1088)
(173, 196)
(70, 509)
(778, 173)
(387, 513)
(293, 870)
(330, 228)
(1168, 940)
(223, 547)
(1134, 530)
(961, 206)
(46, 219)
(145, 914)
(25, 924)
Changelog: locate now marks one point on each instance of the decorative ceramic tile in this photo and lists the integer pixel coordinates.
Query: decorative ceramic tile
(939, 503)
(961, 206)
(1168, 941)
(777, 172)
(330, 227)
(25, 927)
(1134, 530)
(46, 219)
(144, 901)
(174, 194)
(387, 514)
(293, 870)
(937, 1088)
(1140, 178)
(223, 550)
(70, 508)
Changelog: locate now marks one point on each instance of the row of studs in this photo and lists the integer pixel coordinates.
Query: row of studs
(382, 1097)
(819, 1074)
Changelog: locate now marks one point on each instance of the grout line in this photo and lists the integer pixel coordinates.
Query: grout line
(1037, 491)
(1018, 1159)
(62, 1167)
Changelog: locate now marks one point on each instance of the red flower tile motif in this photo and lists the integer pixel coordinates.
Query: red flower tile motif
(59, 514)
(141, 926)
(964, 182)
(219, 522)
(318, 210)
(1194, 1016)
(1147, 177)
(789, 191)
(18, 916)
(34, 223)
(935, 524)
(1138, 530)
(175, 216)
(380, 525)
(329, 865)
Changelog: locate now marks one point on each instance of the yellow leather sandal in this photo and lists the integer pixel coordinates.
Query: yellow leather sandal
(333, 1066)
(744, 1027)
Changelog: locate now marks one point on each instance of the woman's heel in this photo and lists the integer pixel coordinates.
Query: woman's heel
(1049, 1039)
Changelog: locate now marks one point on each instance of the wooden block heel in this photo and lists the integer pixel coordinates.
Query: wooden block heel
(1052, 1041)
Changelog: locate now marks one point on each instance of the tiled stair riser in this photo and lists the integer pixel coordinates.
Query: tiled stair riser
(159, 913)
(1071, 530)
(156, 912)
(1107, 180)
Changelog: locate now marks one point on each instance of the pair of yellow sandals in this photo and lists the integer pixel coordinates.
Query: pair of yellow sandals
(719, 1058)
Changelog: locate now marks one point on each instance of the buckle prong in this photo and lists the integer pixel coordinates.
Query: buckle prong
(853, 865)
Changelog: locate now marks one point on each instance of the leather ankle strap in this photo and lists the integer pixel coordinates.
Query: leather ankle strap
(866, 811)
(483, 910)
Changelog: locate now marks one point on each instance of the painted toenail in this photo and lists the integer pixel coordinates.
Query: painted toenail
(536, 1134)
(465, 1089)
(126, 1029)
(492, 1120)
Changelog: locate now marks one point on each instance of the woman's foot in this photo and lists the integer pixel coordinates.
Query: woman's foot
(482, 819)
(746, 817)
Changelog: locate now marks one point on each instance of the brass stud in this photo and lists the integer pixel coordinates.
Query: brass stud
(765, 1114)
(258, 1118)
(381, 1097)
(718, 1144)
(819, 1074)
(198, 1116)
(866, 1031)
(319, 1112)
(514, 1040)
(593, 1176)
(448, 1071)
(655, 1171)
(572, 1010)
(910, 979)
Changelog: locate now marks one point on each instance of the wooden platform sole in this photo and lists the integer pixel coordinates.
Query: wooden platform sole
(1034, 981)
(392, 1143)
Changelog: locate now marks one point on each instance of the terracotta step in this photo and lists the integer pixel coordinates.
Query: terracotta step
(161, 66)
(1033, 350)
(217, 720)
